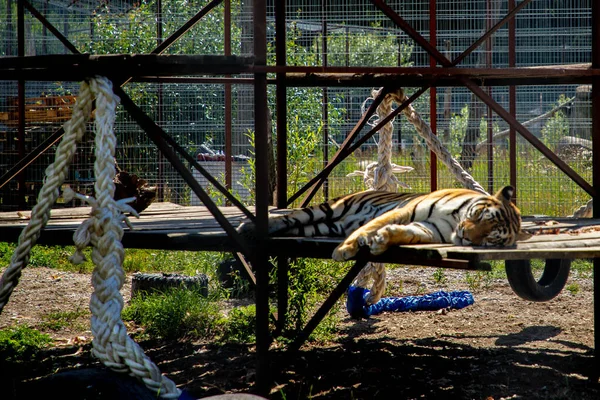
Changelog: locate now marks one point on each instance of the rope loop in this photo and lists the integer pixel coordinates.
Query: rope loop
(380, 175)
(103, 230)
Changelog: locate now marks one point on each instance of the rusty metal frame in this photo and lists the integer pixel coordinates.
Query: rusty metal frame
(258, 253)
(510, 119)
(483, 96)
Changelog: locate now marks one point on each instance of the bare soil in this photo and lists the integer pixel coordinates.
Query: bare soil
(501, 347)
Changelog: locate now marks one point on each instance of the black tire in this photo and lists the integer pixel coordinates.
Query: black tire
(142, 284)
(551, 283)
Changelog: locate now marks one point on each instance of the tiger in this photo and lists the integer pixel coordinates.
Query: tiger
(380, 219)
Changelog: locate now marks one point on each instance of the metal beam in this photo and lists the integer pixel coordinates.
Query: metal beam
(487, 99)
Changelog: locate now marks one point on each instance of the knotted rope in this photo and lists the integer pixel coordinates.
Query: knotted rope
(103, 230)
(55, 175)
(424, 130)
(380, 175)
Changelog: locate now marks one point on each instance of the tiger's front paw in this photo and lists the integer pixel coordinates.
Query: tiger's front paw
(349, 248)
(381, 241)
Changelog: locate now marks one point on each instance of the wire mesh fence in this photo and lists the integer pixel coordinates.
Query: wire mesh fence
(333, 33)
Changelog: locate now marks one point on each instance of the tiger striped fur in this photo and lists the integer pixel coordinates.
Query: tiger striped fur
(380, 219)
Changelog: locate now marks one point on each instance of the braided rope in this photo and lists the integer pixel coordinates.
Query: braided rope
(380, 175)
(103, 230)
(55, 175)
(435, 145)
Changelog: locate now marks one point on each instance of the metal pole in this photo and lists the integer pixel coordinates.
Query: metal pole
(262, 198)
(512, 99)
(21, 104)
(281, 200)
(490, 126)
(433, 94)
(160, 156)
(596, 174)
(227, 99)
(281, 104)
(325, 101)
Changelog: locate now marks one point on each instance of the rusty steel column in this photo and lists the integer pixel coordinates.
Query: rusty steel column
(21, 105)
(227, 99)
(262, 198)
(433, 94)
(512, 100)
(596, 175)
(281, 199)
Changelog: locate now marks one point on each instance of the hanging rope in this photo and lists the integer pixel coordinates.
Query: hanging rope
(103, 230)
(380, 175)
(55, 175)
(435, 145)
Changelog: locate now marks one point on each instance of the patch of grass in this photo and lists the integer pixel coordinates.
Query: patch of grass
(58, 320)
(439, 276)
(176, 314)
(21, 343)
(241, 325)
(478, 279)
(573, 288)
(309, 281)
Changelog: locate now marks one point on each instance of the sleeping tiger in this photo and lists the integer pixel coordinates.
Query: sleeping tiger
(379, 219)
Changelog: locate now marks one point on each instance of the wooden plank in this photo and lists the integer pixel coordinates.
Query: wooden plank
(176, 227)
(566, 249)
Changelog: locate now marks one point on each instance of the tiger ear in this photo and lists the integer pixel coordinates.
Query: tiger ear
(505, 194)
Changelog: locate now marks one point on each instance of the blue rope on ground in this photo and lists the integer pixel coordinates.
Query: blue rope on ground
(185, 396)
(357, 308)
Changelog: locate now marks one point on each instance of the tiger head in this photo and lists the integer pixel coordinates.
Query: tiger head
(491, 221)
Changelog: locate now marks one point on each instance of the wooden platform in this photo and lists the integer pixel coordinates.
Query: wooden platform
(173, 227)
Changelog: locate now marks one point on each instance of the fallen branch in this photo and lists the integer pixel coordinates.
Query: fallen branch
(503, 134)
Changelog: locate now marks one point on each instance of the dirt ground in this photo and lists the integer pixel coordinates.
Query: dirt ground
(501, 347)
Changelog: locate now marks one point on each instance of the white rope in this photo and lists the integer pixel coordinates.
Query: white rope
(435, 145)
(380, 175)
(55, 175)
(103, 230)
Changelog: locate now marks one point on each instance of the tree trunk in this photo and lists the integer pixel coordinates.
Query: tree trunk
(581, 113)
(469, 152)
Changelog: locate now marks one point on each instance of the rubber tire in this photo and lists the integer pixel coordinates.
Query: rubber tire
(551, 283)
(142, 283)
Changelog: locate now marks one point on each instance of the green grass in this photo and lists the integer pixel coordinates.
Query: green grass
(21, 343)
(56, 321)
(176, 314)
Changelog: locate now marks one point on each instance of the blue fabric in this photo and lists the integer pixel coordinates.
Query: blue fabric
(186, 396)
(357, 308)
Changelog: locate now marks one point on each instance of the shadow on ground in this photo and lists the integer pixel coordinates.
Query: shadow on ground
(446, 367)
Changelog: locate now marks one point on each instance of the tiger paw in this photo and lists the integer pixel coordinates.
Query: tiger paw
(345, 251)
(381, 240)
